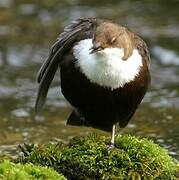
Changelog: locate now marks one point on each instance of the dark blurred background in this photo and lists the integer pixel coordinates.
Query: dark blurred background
(27, 30)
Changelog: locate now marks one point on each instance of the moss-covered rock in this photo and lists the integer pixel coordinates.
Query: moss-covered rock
(11, 171)
(4, 157)
(89, 158)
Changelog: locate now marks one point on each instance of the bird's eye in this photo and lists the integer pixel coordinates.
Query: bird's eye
(113, 39)
(100, 48)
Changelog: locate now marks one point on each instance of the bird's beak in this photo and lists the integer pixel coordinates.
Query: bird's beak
(96, 47)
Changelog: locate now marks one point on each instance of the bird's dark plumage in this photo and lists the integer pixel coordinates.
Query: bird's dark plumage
(74, 32)
(96, 106)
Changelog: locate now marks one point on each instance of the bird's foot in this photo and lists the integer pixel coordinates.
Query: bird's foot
(110, 146)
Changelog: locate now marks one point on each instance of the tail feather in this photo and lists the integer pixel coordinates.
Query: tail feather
(76, 119)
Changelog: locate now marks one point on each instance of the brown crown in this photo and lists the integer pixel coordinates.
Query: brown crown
(112, 35)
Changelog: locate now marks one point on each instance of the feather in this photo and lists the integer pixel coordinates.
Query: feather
(72, 33)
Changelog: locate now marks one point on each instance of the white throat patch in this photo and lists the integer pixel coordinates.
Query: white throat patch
(106, 68)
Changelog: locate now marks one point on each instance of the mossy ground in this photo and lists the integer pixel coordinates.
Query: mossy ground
(89, 158)
(11, 171)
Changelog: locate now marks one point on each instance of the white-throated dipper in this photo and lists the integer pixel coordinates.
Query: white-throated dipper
(104, 73)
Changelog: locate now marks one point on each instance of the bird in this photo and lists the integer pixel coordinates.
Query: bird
(104, 71)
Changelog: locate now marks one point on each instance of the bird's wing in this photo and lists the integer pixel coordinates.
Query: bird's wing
(142, 47)
(74, 32)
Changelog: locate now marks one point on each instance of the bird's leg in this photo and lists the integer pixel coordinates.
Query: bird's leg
(113, 135)
(112, 144)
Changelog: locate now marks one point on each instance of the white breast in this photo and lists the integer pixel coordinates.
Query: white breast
(106, 68)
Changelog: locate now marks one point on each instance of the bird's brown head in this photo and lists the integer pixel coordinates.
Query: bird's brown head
(109, 35)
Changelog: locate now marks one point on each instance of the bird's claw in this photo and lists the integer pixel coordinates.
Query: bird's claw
(110, 146)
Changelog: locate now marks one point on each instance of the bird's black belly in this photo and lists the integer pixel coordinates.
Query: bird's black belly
(100, 106)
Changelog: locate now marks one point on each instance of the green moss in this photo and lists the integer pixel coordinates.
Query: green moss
(11, 171)
(89, 158)
(5, 157)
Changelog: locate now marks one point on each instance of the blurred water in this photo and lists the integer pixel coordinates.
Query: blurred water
(26, 32)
